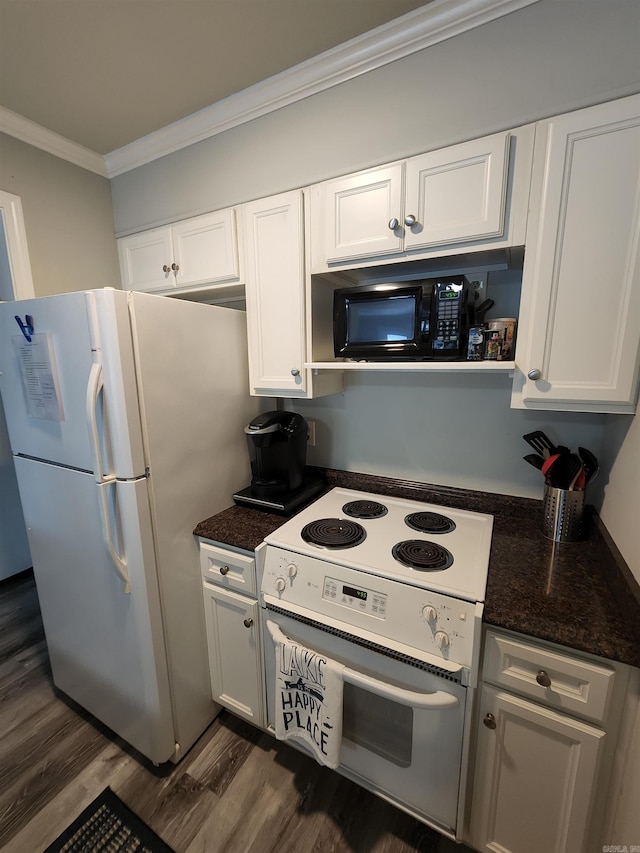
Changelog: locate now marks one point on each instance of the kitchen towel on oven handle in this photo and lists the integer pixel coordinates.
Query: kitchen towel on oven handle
(308, 697)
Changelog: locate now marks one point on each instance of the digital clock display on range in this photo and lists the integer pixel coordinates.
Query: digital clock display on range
(354, 593)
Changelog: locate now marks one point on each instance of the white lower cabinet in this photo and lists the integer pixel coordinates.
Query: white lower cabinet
(233, 632)
(546, 724)
(535, 776)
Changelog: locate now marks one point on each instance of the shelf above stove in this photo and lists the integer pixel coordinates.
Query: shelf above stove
(418, 366)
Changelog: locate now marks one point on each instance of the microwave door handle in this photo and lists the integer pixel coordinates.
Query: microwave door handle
(427, 701)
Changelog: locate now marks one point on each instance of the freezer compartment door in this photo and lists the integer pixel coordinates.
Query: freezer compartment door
(106, 645)
(62, 330)
(71, 391)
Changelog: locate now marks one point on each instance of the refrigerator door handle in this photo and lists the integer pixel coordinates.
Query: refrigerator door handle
(95, 384)
(119, 564)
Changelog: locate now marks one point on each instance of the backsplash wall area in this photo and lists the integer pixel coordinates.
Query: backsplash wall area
(445, 429)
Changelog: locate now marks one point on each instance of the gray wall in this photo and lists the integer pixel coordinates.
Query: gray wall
(68, 219)
(548, 58)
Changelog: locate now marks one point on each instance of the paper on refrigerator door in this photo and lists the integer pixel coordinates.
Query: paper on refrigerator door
(37, 365)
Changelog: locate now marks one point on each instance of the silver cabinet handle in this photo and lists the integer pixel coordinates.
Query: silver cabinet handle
(393, 224)
(410, 220)
(224, 570)
(295, 371)
(490, 721)
(534, 374)
(166, 268)
(247, 623)
(175, 267)
(543, 679)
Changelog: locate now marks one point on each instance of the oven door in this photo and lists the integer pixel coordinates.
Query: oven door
(403, 726)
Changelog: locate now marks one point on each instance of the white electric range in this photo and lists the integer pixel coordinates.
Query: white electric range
(392, 589)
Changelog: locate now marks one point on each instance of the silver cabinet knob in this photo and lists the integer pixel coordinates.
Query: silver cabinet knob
(489, 721)
(295, 371)
(166, 268)
(175, 267)
(543, 679)
(410, 220)
(247, 623)
(534, 374)
(224, 570)
(393, 224)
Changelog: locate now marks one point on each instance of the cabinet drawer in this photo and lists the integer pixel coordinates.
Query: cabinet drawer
(228, 568)
(550, 677)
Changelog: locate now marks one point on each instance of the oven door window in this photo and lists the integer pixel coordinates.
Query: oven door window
(378, 724)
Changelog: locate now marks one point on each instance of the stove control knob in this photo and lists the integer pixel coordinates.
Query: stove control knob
(292, 570)
(430, 613)
(442, 640)
(281, 584)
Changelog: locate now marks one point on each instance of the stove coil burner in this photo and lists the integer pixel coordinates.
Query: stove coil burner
(422, 555)
(334, 533)
(430, 522)
(364, 509)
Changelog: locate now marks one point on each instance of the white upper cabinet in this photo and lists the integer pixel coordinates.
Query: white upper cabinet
(579, 324)
(458, 194)
(428, 206)
(278, 312)
(198, 251)
(360, 210)
(274, 249)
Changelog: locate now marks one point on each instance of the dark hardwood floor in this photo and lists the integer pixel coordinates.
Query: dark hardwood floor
(237, 790)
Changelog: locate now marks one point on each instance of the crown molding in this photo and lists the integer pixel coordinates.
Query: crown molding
(421, 28)
(435, 22)
(34, 134)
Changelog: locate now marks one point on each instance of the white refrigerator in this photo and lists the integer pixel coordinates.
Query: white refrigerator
(126, 416)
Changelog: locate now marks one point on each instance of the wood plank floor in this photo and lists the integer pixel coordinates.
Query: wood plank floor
(236, 791)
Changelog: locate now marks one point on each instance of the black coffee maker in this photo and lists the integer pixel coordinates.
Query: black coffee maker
(277, 444)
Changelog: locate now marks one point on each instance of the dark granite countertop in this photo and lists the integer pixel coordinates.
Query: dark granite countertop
(580, 595)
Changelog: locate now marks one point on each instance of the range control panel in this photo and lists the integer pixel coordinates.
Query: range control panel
(429, 622)
(357, 598)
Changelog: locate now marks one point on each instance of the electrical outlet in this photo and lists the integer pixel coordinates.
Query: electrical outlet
(311, 433)
(478, 282)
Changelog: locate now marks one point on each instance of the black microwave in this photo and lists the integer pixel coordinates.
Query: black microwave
(409, 320)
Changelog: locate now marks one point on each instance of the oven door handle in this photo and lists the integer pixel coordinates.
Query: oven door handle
(428, 701)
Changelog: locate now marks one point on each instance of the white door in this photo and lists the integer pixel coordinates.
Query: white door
(205, 249)
(146, 259)
(534, 778)
(234, 651)
(105, 644)
(364, 214)
(457, 194)
(580, 316)
(274, 246)
(46, 403)
(402, 727)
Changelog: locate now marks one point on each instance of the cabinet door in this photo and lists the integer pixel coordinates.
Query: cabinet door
(457, 194)
(359, 214)
(145, 260)
(274, 260)
(234, 652)
(580, 312)
(534, 779)
(205, 249)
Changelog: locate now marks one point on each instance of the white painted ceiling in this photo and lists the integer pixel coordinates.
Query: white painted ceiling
(103, 73)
